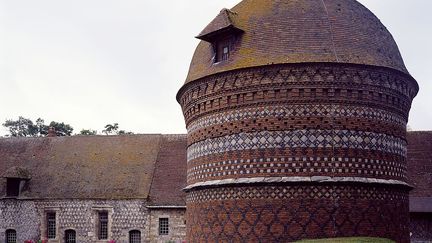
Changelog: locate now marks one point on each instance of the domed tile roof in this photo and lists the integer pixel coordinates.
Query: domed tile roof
(297, 31)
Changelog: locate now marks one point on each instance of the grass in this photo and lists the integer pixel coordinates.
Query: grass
(349, 240)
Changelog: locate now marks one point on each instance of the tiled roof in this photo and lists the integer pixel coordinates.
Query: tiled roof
(420, 163)
(169, 178)
(96, 167)
(222, 22)
(292, 31)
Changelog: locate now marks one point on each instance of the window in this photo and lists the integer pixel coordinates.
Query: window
(103, 225)
(223, 49)
(51, 225)
(163, 226)
(11, 236)
(12, 187)
(134, 236)
(70, 236)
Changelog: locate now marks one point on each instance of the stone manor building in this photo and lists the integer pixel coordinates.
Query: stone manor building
(296, 114)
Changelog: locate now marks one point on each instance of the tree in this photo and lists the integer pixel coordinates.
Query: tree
(61, 129)
(24, 127)
(111, 129)
(88, 132)
(123, 132)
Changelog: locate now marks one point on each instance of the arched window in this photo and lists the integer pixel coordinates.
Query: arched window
(134, 236)
(70, 236)
(11, 236)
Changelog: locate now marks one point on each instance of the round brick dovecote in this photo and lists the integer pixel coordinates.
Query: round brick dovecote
(299, 150)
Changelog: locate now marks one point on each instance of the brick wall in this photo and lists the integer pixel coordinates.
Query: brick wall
(288, 124)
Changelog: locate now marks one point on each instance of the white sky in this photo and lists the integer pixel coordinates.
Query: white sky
(93, 62)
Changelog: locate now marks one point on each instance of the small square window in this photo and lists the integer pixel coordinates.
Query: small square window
(163, 226)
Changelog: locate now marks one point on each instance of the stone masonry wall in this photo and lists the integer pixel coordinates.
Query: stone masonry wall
(177, 225)
(27, 217)
(21, 216)
(421, 227)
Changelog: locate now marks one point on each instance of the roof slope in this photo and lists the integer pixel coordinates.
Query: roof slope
(293, 31)
(170, 173)
(90, 167)
(420, 163)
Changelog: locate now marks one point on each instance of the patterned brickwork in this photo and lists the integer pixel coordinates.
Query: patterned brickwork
(297, 121)
(22, 217)
(26, 216)
(299, 139)
(296, 162)
(288, 213)
(299, 84)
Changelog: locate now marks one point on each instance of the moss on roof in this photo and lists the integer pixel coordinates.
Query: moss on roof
(97, 167)
(292, 31)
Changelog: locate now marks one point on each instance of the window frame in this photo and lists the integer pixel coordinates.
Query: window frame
(49, 234)
(9, 231)
(131, 236)
(163, 226)
(66, 240)
(103, 220)
(223, 49)
(95, 217)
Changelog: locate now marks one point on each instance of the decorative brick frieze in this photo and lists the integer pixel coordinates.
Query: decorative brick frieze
(304, 191)
(216, 167)
(368, 86)
(299, 139)
(304, 110)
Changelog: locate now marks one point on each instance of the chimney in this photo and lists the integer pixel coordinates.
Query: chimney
(52, 132)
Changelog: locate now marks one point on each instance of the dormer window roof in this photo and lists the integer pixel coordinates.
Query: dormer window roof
(16, 172)
(222, 26)
(15, 180)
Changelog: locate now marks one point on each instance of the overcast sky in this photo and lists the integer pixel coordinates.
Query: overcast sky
(93, 62)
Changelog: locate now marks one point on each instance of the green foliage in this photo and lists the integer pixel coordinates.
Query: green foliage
(348, 240)
(113, 129)
(88, 132)
(24, 127)
(61, 129)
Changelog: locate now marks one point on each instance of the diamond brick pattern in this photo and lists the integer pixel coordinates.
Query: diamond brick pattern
(263, 215)
(299, 138)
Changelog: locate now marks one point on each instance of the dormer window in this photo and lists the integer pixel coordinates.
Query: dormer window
(13, 187)
(222, 34)
(16, 177)
(223, 50)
